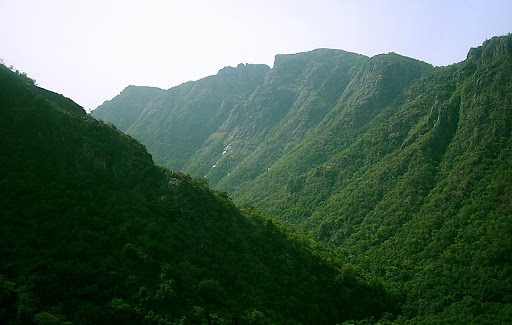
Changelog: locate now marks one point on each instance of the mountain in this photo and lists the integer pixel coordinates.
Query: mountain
(184, 116)
(423, 197)
(402, 167)
(93, 232)
(132, 99)
(286, 104)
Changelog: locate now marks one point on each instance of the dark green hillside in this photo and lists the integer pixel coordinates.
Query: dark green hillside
(92, 232)
(126, 107)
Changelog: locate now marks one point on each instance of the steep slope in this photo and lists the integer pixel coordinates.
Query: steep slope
(306, 96)
(126, 107)
(374, 85)
(92, 232)
(404, 168)
(423, 197)
(175, 124)
(296, 96)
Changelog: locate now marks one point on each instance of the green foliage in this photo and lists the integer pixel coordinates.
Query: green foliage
(46, 318)
(92, 232)
(182, 117)
(403, 168)
(418, 198)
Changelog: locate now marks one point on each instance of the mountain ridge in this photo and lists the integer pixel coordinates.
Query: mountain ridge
(399, 165)
(93, 232)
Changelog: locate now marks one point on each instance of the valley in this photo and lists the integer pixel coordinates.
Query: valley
(402, 168)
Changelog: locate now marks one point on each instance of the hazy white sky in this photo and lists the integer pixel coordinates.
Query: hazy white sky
(90, 50)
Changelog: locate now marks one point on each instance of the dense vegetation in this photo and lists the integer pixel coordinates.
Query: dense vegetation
(185, 116)
(402, 167)
(92, 232)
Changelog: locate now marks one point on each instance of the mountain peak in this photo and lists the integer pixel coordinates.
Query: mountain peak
(243, 67)
(140, 89)
(317, 55)
(491, 50)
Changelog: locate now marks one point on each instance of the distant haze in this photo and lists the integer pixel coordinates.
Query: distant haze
(91, 50)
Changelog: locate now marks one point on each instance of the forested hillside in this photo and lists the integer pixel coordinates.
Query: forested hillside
(402, 167)
(423, 198)
(184, 116)
(93, 232)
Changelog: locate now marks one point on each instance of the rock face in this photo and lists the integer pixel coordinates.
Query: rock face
(491, 51)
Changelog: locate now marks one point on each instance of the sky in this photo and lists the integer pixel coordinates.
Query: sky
(90, 50)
